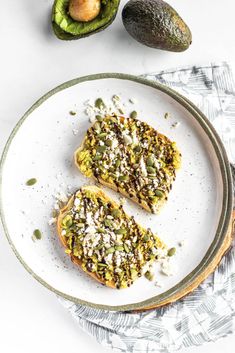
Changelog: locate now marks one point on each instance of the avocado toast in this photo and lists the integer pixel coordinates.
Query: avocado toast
(131, 157)
(104, 241)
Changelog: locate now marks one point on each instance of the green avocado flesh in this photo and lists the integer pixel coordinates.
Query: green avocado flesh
(156, 24)
(66, 28)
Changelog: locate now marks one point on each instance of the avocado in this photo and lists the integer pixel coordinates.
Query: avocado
(156, 24)
(66, 28)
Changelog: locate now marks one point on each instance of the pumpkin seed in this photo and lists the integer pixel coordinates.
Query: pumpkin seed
(116, 98)
(100, 264)
(110, 250)
(121, 231)
(97, 127)
(100, 230)
(102, 135)
(123, 178)
(137, 149)
(37, 234)
(134, 273)
(99, 118)
(151, 170)
(99, 103)
(108, 223)
(116, 213)
(67, 221)
(108, 143)
(31, 182)
(150, 161)
(171, 251)
(97, 157)
(101, 149)
(117, 163)
(133, 115)
(146, 237)
(149, 275)
(119, 248)
(159, 193)
(126, 248)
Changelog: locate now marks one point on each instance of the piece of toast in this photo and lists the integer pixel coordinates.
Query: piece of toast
(104, 241)
(130, 157)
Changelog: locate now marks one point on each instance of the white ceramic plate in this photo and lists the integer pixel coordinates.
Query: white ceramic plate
(42, 146)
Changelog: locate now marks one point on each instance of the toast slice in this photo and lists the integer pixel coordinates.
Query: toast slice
(104, 241)
(132, 158)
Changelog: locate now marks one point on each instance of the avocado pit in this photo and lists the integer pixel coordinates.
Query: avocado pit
(84, 10)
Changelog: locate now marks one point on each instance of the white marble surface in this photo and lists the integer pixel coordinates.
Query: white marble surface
(32, 62)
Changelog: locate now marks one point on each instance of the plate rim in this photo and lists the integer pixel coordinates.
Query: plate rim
(221, 154)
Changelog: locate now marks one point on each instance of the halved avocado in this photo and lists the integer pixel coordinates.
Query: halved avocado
(66, 28)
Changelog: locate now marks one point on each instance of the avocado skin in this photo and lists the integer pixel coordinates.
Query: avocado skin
(156, 24)
(63, 35)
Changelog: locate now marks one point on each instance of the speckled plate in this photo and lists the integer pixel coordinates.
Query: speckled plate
(197, 213)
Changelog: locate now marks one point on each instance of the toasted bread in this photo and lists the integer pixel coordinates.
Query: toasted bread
(103, 240)
(132, 158)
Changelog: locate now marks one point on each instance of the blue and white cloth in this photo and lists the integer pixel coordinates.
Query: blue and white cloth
(209, 312)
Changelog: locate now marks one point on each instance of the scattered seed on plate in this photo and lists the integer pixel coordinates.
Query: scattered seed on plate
(171, 251)
(166, 115)
(72, 112)
(31, 182)
(133, 115)
(37, 234)
(176, 124)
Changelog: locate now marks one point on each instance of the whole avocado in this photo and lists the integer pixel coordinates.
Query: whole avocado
(156, 24)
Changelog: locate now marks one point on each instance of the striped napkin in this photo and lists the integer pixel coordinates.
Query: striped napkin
(209, 312)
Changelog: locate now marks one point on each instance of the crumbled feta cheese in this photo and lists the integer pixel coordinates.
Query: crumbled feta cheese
(143, 169)
(161, 253)
(90, 230)
(92, 119)
(135, 138)
(166, 268)
(77, 202)
(89, 218)
(109, 258)
(63, 232)
(114, 144)
(61, 196)
(133, 100)
(56, 206)
(51, 221)
(127, 139)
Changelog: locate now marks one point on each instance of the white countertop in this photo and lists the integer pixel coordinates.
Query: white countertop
(32, 62)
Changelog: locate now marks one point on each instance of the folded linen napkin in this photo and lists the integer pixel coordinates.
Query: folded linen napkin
(209, 312)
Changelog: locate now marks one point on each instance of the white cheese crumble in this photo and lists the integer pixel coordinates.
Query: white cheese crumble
(166, 268)
(133, 100)
(52, 221)
(61, 196)
(127, 139)
(143, 169)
